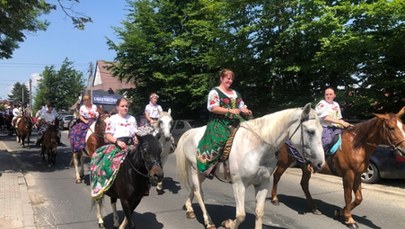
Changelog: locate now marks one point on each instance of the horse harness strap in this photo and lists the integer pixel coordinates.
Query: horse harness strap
(228, 144)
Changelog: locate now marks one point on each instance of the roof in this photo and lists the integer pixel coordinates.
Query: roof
(103, 79)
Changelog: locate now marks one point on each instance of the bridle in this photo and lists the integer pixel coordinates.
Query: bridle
(304, 152)
(147, 165)
(393, 146)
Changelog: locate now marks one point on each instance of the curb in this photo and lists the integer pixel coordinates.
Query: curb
(399, 191)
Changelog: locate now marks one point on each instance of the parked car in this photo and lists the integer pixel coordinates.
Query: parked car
(182, 125)
(64, 121)
(384, 164)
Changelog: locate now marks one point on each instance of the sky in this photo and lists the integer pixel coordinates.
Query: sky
(61, 40)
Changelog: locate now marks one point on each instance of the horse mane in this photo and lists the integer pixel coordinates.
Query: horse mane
(362, 130)
(266, 122)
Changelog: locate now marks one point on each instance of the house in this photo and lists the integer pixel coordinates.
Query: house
(102, 86)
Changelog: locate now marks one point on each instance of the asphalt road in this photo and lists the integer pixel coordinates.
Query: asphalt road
(60, 203)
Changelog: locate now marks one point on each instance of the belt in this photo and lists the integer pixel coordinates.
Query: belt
(154, 119)
(127, 140)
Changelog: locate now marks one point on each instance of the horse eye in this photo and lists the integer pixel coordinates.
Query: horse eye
(311, 132)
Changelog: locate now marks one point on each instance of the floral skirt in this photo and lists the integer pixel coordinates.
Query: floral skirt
(77, 136)
(104, 167)
(210, 147)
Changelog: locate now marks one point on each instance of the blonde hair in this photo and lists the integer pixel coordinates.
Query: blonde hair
(86, 97)
(153, 95)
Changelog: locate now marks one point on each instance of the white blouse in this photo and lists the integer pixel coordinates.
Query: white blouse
(121, 127)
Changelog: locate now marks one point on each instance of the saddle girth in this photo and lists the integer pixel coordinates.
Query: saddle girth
(228, 144)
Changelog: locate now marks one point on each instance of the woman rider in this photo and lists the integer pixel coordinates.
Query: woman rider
(77, 133)
(225, 106)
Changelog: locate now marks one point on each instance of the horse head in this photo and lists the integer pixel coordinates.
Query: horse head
(393, 131)
(165, 124)
(306, 135)
(150, 150)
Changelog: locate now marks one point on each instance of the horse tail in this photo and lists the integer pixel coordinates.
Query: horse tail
(183, 164)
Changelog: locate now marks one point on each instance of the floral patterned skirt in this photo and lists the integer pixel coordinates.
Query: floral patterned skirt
(104, 167)
(77, 136)
(210, 147)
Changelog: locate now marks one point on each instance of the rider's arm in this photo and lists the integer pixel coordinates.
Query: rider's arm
(337, 121)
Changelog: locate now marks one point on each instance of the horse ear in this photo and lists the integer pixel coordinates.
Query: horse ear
(306, 111)
(169, 111)
(381, 116)
(400, 113)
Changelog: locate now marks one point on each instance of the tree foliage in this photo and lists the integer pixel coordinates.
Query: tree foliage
(284, 53)
(60, 87)
(19, 17)
(19, 93)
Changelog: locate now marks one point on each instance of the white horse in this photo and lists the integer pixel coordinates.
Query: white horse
(163, 133)
(252, 159)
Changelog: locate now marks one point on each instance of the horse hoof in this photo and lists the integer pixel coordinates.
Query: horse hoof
(316, 212)
(275, 202)
(190, 215)
(352, 225)
(227, 223)
(211, 226)
(101, 225)
(78, 181)
(160, 191)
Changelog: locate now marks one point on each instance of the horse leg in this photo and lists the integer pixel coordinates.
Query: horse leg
(306, 175)
(358, 198)
(128, 208)
(76, 164)
(261, 193)
(239, 191)
(163, 158)
(197, 179)
(348, 185)
(99, 214)
(283, 163)
(116, 219)
(188, 206)
(82, 158)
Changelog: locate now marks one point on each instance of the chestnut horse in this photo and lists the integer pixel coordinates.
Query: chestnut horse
(350, 161)
(23, 130)
(94, 139)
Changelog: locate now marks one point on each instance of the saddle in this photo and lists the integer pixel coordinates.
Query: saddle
(334, 145)
(128, 140)
(209, 173)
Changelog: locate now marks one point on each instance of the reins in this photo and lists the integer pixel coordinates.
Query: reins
(154, 162)
(394, 146)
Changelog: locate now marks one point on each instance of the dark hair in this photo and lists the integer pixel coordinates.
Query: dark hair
(120, 99)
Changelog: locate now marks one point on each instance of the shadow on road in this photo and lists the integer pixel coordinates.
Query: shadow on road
(300, 205)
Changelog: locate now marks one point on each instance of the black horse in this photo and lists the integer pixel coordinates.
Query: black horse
(140, 169)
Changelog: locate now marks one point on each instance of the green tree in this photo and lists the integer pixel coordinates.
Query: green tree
(284, 53)
(60, 87)
(18, 17)
(19, 93)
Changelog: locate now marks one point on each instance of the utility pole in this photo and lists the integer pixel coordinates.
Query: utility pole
(92, 82)
(30, 95)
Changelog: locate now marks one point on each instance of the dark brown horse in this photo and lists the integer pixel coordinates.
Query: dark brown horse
(94, 139)
(350, 161)
(23, 130)
(141, 167)
(50, 144)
